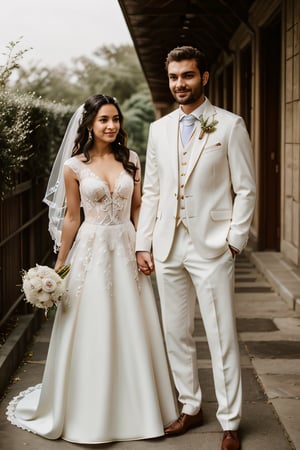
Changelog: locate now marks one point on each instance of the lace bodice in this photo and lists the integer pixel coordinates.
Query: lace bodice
(101, 206)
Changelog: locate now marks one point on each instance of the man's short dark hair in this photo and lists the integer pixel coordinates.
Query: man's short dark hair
(187, 52)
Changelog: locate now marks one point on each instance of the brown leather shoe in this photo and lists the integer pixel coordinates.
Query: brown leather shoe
(184, 423)
(230, 440)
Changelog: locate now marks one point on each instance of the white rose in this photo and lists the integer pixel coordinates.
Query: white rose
(58, 294)
(29, 291)
(36, 283)
(43, 297)
(45, 271)
(32, 273)
(48, 284)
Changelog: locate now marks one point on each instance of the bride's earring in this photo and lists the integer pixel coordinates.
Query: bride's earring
(90, 138)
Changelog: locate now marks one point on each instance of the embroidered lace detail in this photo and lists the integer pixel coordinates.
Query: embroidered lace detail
(11, 408)
(107, 225)
(101, 206)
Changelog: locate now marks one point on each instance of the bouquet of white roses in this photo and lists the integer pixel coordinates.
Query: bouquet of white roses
(44, 287)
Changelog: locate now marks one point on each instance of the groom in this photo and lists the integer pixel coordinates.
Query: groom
(197, 207)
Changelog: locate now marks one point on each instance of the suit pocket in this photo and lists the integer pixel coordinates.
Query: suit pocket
(212, 148)
(221, 214)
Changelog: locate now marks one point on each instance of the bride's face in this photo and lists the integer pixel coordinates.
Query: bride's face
(106, 124)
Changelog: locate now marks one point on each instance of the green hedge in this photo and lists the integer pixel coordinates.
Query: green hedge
(31, 130)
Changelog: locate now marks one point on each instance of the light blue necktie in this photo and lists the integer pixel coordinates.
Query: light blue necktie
(186, 127)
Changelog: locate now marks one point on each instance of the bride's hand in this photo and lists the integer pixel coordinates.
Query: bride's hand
(145, 262)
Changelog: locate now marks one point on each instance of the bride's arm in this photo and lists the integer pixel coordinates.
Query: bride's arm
(136, 197)
(71, 221)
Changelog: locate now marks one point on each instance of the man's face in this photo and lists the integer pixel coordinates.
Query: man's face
(185, 82)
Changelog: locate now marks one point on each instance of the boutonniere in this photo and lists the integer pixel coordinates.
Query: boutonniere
(206, 126)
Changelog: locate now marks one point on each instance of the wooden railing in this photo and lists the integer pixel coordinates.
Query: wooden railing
(24, 241)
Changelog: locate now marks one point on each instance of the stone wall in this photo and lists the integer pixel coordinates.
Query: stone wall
(290, 245)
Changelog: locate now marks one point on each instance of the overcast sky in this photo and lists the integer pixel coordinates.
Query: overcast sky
(58, 30)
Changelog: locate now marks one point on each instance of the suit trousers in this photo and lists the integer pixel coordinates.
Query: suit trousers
(182, 279)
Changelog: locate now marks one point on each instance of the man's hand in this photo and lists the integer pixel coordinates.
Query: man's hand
(234, 251)
(145, 262)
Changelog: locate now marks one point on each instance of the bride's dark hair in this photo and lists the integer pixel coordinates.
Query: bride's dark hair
(85, 139)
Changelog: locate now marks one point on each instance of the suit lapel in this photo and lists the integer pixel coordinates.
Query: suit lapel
(196, 150)
(172, 145)
(199, 144)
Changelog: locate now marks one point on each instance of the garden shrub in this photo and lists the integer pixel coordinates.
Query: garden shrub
(31, 130)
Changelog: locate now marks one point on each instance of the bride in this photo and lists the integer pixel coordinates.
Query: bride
(106, 377)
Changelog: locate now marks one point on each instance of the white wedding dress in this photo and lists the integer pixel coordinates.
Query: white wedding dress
(106, 376)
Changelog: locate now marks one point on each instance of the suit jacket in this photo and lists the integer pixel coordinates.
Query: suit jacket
(219, 192)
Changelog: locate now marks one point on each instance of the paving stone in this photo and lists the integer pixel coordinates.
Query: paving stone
(199, 328)
(243, 325)
(289, 325)
(260, 428)
(253, 289)
(276, 366)
(252, 390)
(202, 350)
(281, 386)
(263, 336)
(274, 349)
(37, 352)
(245, 279)
(289, 412)
(255, 325)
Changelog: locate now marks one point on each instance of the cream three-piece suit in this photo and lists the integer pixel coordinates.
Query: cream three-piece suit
(197, 200)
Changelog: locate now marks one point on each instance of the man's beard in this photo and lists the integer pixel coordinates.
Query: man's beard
(186, 101)
(192, 98)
